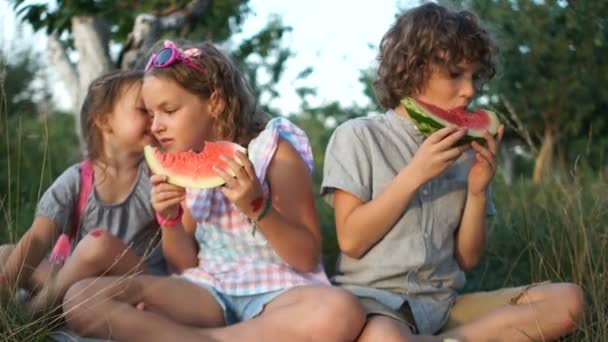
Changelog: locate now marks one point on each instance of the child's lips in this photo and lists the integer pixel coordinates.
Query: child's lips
(165, 141)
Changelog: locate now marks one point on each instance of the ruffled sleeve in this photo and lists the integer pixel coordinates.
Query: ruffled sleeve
(264, 146)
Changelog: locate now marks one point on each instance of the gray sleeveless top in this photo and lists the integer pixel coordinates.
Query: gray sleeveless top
(133, 220)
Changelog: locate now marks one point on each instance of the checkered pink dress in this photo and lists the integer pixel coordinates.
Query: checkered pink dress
(233, 258)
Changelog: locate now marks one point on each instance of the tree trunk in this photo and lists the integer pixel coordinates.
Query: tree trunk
(91, 39)
(544, 157)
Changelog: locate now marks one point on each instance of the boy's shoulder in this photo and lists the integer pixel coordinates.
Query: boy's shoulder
(363, 124)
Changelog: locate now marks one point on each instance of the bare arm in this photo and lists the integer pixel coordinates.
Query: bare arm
(33, 246)
(179, 245)
(471, 234)
(361, 225)
(292, 227)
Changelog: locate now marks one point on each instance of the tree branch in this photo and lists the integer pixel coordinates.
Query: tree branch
(517, 126)
(148, 27)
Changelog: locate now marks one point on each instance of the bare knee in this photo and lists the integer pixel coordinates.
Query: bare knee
(95, 246)
(77, 304)
(573, 299)
(566, 301)
(333, 303)
(381, 328)
(5, 253)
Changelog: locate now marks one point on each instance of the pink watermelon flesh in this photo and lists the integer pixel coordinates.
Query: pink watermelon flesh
(430, 118)
(190, 169)
(478, 119)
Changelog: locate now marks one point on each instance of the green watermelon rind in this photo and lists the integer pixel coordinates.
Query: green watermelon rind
(428, 123)
(183, 181)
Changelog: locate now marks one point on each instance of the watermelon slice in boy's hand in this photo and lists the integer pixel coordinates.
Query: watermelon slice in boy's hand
(190, 169)
(429, 119)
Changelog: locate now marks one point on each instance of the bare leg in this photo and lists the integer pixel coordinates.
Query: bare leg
(99, 253)
(40, 276)
(5, 252)
(105, 308)
(382, 328)
(544, 312)
(306, 313)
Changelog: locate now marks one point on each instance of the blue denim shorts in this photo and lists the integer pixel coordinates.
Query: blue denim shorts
(241, 308)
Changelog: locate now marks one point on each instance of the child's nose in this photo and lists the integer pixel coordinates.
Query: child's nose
(156, 124)
(468, 89)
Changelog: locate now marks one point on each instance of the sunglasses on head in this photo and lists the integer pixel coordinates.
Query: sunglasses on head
(167, 56)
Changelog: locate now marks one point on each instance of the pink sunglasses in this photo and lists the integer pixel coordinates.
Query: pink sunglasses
(167, 56)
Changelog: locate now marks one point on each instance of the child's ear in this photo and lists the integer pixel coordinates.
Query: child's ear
(216, 104)
(102, 123)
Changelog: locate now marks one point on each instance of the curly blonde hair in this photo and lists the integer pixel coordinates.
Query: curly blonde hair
(430, 35)
(241, 120)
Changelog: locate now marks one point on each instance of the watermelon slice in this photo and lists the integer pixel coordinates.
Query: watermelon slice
(190, 169)
(429, 119)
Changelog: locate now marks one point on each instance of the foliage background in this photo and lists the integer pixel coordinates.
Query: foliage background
(553, 78)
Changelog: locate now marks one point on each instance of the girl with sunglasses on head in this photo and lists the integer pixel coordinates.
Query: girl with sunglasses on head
(246, 252)
(102, 204)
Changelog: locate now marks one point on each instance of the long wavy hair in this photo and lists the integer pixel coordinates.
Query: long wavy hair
(427, 36)
(242, 119)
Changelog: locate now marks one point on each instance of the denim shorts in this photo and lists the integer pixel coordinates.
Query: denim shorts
(241, 308)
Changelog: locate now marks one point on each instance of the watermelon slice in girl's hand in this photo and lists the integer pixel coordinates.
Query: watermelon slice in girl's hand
(190, 169)
(429, 119)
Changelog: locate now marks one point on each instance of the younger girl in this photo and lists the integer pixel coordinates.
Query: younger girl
(247, 252)
(117, 226)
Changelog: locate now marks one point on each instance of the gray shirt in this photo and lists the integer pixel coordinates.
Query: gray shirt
(414, 261)
(133, 220)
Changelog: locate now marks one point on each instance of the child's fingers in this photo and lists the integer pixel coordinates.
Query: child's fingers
(165, 187)
(230, 181)
(238, 170)
(454, 153)
(442, 133)
(158, 179)
(166, 195)
(482, 150)
(163, 205)
(247, 165)
(483, 159)
(492, 145)
(451, 139)
(501, 132)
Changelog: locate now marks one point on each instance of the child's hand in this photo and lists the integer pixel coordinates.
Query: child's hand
(484, 167)
(166, 197)
(244, 189)
(437, 153)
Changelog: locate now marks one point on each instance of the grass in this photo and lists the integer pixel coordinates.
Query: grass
(555, 231)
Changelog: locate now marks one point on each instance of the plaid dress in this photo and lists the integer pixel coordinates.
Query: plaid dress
(234, 258)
